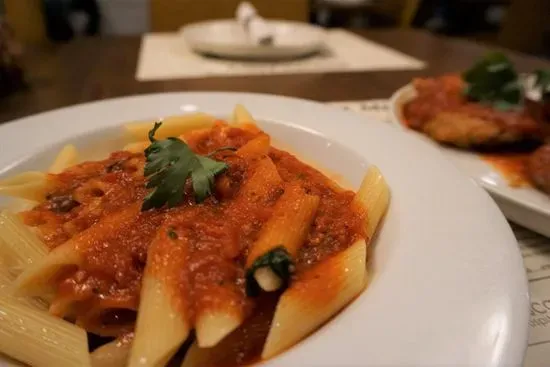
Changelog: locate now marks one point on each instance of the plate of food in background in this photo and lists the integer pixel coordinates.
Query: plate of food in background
(492, 123)
(227, 239)
(249, 36)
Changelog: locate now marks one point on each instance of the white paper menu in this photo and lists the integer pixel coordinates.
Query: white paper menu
(535, 250)
(536, 257)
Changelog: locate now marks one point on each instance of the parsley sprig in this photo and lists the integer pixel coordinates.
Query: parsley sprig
(169, 163)
(494, 81)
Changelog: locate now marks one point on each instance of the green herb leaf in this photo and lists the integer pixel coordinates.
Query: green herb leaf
(542, 81)
(278, 260)
(494, 81)
(169, 163)
(203, 177)
(172, 234)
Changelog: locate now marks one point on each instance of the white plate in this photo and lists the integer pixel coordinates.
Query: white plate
(447, 286)
(227, 38)
(526, 206)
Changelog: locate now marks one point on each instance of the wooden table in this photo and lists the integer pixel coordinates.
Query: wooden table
(97, 68)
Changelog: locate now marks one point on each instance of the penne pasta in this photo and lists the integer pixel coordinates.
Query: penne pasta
(212, 325)
(263, 182)
(160, 328)
(18, 244)
(241, 115)
(39, 339)
(161, 325)
(242, 346)
(270, 259)
(255, 148)
(318, 294)
(30, 185)
(171, 126)
(202, 357)
(373, 197)
(67, 157)
(244, 120)
(36, 280)
(6, 283)
(17, 205)
(215, 321)
(113, 354)
(197, 228)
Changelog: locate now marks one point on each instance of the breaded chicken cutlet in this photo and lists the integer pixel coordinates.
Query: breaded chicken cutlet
(441, 111)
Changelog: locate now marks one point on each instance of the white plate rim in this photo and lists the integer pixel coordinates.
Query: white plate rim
(509, 327)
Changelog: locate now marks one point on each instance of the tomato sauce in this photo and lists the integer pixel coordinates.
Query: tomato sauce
(512, 166)
(199, 248)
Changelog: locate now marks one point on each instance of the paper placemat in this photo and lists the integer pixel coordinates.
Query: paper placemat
(166, 56)
(535, 250)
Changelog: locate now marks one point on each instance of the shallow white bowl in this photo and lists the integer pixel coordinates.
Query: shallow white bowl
(447, 286)
(226, 38)
(526, 206)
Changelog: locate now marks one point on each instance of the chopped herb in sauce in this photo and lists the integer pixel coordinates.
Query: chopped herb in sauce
(278, 260)
(169, 163)
(172, 234)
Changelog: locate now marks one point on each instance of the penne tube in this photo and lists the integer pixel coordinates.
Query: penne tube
(67, 157)
(215, 320)
(212, 325)
(39, 339)
(270, 259)
(18, 244)
(30, 185)
(18, 205)
(219, 307)
(255, 148)
(241, 115)
(163, 321)
(160, 327)
(263, 183)
(171, 126)
(373, 197)
(244, 120)
(23, 178)
(243, 346)
(6, 282)
(113, 354)
(36, 280)
(318, 294)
